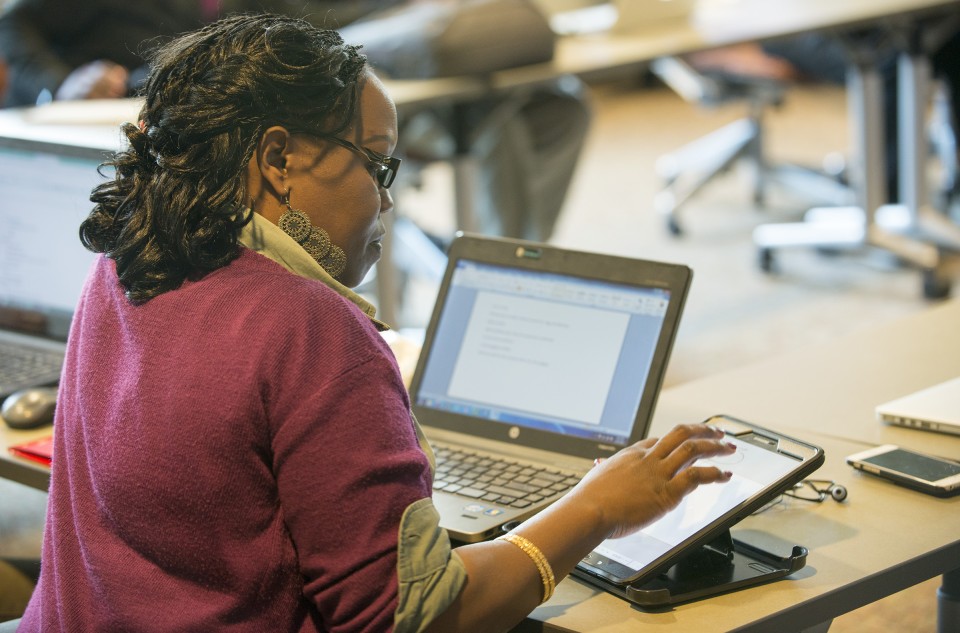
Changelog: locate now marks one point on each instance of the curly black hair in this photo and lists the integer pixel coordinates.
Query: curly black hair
(175, 208)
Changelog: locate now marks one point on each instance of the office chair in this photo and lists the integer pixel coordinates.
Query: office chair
(911, 229)
(688, 169)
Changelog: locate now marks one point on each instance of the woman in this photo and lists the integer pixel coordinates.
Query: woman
(235, 447)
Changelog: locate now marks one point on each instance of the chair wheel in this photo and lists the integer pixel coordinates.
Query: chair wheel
(674, 226)
(765, 259)
(665, 203)
(935, 286)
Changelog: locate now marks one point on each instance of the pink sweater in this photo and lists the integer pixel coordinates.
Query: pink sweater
(235, 454)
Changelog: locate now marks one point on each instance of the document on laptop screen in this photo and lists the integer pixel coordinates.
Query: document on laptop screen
(518, 353)
(544, 351)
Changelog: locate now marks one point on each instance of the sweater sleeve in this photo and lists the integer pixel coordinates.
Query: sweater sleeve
(348, 465)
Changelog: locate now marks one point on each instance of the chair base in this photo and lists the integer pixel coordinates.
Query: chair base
(925, 241)
(690, 168)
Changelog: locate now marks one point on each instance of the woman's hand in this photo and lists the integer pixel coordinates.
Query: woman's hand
(643, 482)
(619, 496)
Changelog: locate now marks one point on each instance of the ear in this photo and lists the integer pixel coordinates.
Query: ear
(272, 152)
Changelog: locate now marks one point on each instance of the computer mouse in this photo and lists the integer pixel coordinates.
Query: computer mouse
(29, 408)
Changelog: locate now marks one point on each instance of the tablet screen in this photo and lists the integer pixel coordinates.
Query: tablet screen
(762, 467)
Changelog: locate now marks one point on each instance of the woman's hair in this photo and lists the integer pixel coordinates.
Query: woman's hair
(178, 202)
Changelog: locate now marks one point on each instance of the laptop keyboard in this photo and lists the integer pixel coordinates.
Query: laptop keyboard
(21, 365)
(504, 482)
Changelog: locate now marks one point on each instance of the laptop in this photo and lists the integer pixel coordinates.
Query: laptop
(935, 408)
(536, 361)
(45, 188)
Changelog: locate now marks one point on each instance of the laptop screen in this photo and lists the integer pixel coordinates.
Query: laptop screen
(544, 351)
(45, 190)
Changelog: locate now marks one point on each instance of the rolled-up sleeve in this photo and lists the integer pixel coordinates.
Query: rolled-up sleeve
(430, 573)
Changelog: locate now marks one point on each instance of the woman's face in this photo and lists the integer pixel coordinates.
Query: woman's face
(337, 188)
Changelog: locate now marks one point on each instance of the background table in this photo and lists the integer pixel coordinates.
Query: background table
(714, 23)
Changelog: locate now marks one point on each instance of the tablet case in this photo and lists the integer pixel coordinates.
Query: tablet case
(723, 565)
(720, 565)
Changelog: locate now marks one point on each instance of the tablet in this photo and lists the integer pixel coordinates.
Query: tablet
(765, 464)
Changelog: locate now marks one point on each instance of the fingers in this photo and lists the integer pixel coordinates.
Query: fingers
(687, 443)
(693, 450)
(694, 476)
(642, 444)
(648, 443)
(680, 434)
(655, 475)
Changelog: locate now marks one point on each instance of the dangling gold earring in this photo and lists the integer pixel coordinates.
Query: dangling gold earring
(313, 239)
(294, 222)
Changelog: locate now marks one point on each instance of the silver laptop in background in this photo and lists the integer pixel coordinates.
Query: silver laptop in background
(44, 195)
(536, 361)
(935, 408)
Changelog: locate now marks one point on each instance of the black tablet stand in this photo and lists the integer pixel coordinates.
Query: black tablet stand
(724, 564)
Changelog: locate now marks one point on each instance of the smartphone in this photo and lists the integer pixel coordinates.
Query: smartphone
(764, 465)
(926, 473)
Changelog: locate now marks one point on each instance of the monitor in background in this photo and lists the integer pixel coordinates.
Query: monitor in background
(45, 191)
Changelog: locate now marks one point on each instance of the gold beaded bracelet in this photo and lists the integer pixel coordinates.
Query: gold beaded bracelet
(543, 565)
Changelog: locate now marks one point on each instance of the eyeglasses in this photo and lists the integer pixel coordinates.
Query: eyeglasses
(384, 167)
(813, 490)
(817, 490)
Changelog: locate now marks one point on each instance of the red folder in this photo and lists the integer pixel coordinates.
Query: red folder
(38, 450)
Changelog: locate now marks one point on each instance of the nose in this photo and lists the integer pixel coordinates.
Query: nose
(386, 201)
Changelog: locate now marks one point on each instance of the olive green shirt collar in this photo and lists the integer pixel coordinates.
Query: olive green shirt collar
(265, 237)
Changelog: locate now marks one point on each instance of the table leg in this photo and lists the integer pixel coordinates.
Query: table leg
(860, 225)
(464, 172)
(948, 603)
(919, 218)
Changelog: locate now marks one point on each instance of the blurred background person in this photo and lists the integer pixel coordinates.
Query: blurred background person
(526, 147)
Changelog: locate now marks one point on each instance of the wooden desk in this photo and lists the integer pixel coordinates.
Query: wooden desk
(883, 539)
(713, 24)
(833, 388)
